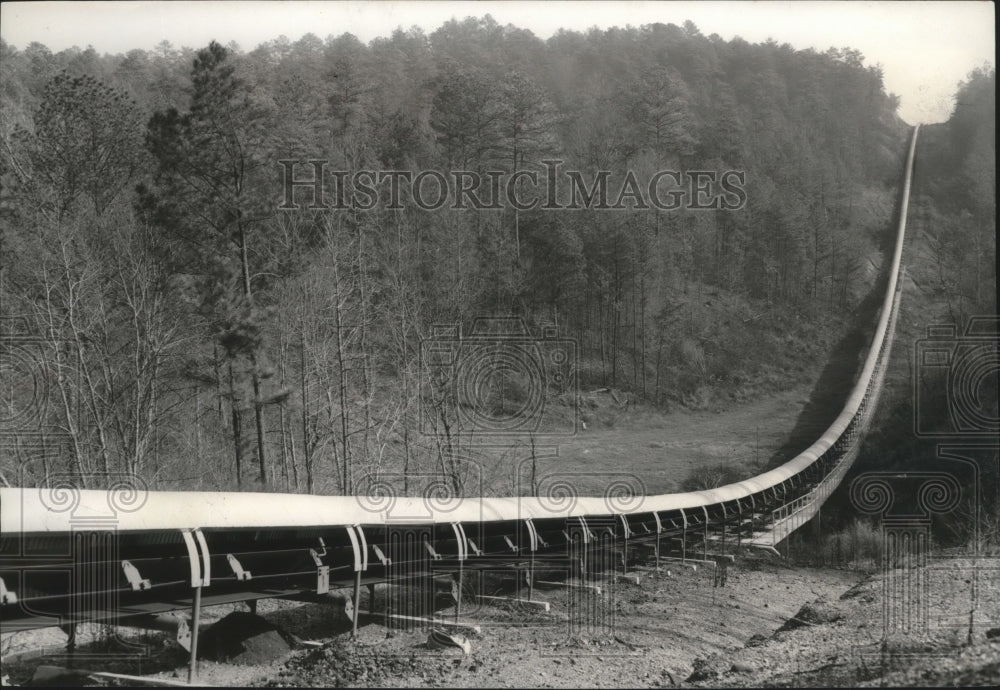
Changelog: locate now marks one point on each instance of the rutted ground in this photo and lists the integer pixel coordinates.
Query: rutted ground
(769, 625)
(843, 640)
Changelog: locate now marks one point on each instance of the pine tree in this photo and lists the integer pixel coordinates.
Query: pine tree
(208, 193)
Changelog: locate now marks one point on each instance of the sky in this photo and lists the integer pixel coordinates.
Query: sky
(925, 48)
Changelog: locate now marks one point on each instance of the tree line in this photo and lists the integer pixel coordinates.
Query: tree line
(194, 334)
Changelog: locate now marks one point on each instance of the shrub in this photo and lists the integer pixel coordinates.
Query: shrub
(858, 544)
(703, 478)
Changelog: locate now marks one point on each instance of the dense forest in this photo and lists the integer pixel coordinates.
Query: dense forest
(173, 322)
(943, 419)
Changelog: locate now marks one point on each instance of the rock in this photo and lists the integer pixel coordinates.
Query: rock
(707, 668)
(740, 667)
(813, 613)
(756, 641)
(439, 639)
(244, 639)
(993, 634)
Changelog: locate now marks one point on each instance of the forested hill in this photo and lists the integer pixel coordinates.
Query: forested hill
(197, 334)
(951, 275)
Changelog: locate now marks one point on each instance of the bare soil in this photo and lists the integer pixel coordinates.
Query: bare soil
(769, 625)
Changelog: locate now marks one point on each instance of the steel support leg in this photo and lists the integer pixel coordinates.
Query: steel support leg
(70, 630)
(607, 554)
(517, 579)
(195, 622)
(356, 613)
(531, 577)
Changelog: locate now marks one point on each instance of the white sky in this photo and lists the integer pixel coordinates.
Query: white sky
(925, 48)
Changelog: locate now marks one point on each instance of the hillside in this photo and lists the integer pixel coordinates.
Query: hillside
(202, 322)
(951, 269)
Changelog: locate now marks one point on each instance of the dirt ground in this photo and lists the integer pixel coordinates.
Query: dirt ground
(769, 624)
(646, 634)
